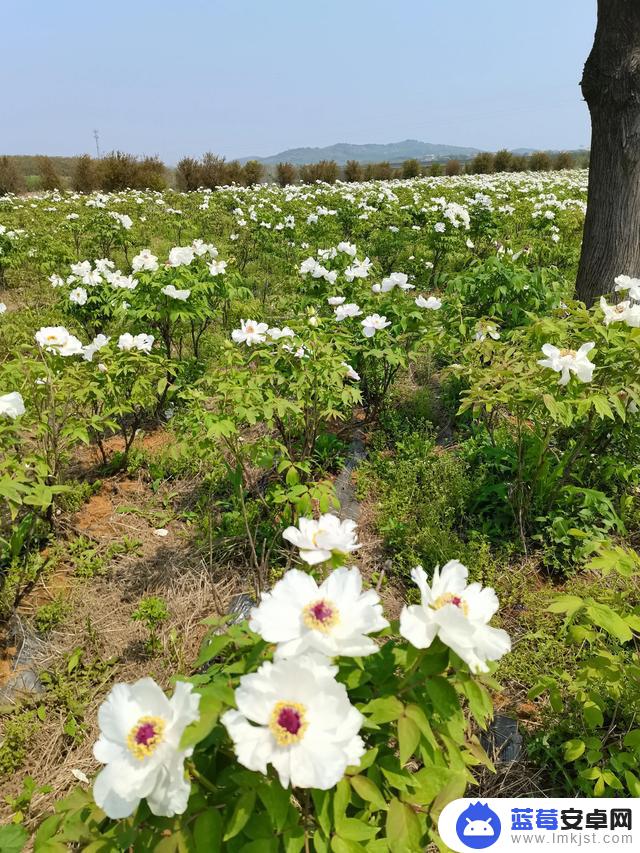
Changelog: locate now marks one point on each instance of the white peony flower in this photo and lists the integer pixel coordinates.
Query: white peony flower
(217, 267)
(348, 310)
(396, 279)
(624, 311)
(96, 344)
(485, 329)
(91, 279)
(320, 540)
(439, 227)
(331, 619)
(104, 265)
(12, 405)
(201, 248)
(81, 268)
(276, 334)
(122, 218)
(626, 282)
(305, 725)
(144, 261)
(171, 291)
(250, 332)
(614, 313)
(181, 256)
(57, 339)
(568, 361)
(432, 302)
(51, 337)
(632, 317)
(456, 613)
(347, 248)
(140, 732)
(78, 296)
(358, 269)
(122, 282)
(350, 372)
(141, 342)
(308, 266)
(336, 300)
(3, 308)
(373, 323)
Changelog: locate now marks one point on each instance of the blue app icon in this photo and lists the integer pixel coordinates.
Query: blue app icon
(478, 827)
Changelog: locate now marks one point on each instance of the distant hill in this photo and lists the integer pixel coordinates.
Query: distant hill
(394, 152)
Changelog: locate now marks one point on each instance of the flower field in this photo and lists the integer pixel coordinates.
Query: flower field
(184, 381)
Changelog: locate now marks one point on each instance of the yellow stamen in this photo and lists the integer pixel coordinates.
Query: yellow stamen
(288, 722)
(451, 598)
(146, 736)
(321, 615)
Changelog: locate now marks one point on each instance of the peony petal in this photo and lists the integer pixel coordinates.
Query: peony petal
(114, 805)
(417, 626)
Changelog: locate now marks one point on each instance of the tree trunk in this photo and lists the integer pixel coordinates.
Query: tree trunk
(611, 87)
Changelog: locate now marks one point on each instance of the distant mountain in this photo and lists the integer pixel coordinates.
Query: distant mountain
(394, 152)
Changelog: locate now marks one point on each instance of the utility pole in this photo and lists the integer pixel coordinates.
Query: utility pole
(96, 136)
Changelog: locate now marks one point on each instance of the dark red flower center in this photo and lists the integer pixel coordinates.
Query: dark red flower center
(456, 600)
(146, 732)
(321, 611)
(289, 719)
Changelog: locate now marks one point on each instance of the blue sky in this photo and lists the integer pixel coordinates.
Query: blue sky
(242, 77)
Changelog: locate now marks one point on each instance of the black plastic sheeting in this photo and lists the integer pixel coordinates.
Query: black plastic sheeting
(502, 741)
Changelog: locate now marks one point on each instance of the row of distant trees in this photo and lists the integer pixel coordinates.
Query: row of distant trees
(113, 172)
(120, 171)
(213, 171)
(483, 163)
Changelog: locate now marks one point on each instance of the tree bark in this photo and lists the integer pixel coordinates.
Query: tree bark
(611, 87)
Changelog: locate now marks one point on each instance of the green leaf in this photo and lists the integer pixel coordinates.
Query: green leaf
(240, 815)
(633, 783)
(569, 604)
(604, 617)
(480, 703)
(320, 843)
(403, 828)
(207, 832)
(386, 709)
(408, 738)
(211, 647)
(341, 845)
(12, 838)
(368, 791)
(592, 714)
(366, 761)
(415, 713)
(341, 799)
(276, 801)
(632, 739)
(209, 710)
(352, 829)
(573, 749)
(612, 780)
(293, 840)
(322, 808)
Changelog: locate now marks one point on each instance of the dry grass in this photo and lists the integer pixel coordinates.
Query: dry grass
(99, 620)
